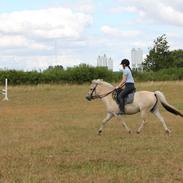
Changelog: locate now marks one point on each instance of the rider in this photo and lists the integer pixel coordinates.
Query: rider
(126, 81)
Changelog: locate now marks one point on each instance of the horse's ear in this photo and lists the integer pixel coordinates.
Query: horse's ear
(94, 81)
(98, 81)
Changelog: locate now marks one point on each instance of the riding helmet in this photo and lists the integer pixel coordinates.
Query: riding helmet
(125, 62)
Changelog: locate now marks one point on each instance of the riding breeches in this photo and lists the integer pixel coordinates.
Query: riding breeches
(129, 87)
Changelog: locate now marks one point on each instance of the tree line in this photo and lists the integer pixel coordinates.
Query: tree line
(83, 74)
(58, 75)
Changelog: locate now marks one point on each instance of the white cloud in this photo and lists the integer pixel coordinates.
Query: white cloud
(38, 46)
(164, 11)
(12, 41)
(171, 15)
(37, 62)
(84, 6)
(115, 32)
(45, 23)
(139, 44)
(29, 37)
(120, 9)
(19, 41)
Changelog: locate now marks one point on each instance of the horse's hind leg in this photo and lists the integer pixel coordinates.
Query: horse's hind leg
(158, 115)
(104, 122)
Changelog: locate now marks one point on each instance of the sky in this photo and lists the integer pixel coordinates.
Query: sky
(38, 33)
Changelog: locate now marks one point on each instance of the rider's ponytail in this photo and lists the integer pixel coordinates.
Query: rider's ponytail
(129, 68)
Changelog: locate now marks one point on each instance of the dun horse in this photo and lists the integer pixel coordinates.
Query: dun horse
(144, 102)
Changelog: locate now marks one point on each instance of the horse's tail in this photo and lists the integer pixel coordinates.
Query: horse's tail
(166, 105)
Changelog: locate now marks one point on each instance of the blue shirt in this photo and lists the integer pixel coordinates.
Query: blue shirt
(127, 72)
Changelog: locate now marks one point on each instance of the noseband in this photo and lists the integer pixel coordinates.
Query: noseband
(98, 96)
(94, 91)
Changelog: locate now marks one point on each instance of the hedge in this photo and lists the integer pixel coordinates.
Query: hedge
(83, 74)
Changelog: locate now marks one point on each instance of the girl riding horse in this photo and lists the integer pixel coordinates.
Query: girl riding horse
(126, 81)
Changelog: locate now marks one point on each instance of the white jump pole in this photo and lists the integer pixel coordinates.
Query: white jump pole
(5, 90)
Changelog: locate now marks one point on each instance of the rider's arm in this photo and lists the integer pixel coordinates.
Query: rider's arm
(122, 83)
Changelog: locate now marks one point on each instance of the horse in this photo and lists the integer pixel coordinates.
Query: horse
(143, 102)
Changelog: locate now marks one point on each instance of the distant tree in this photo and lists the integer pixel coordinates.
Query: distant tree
(56, 67)
(177, 57)
(159, 56)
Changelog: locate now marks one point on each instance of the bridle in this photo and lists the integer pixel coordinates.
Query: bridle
(98, 96)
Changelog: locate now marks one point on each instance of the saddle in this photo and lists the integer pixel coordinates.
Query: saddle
(128, 99)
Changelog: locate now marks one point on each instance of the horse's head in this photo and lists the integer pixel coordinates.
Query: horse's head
(93, 92)
(97, 88)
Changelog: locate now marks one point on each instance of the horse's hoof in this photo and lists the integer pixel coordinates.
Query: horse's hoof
(99, 132)
(130, 132)
(138, 132)
(168, 132)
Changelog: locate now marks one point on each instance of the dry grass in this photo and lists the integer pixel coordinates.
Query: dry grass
(48, 135)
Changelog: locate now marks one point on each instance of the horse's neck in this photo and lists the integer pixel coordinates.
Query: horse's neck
(107, 99)
(106, 89)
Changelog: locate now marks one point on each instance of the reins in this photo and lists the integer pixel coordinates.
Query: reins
(104, 95)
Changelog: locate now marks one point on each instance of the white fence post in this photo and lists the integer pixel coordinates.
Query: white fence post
(5, 90)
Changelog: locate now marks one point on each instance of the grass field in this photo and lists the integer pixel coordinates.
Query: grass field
(48, 134)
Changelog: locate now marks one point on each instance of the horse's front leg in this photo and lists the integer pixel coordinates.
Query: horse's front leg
(126, 127)
(104, 122)
(123, 123)
(143, 116)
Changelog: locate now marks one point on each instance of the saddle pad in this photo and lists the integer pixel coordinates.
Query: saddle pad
(128, 99)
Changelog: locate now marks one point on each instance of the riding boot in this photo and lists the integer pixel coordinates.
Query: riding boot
(122, 107)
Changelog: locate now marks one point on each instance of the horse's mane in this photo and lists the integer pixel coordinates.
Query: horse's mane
(101, 82)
